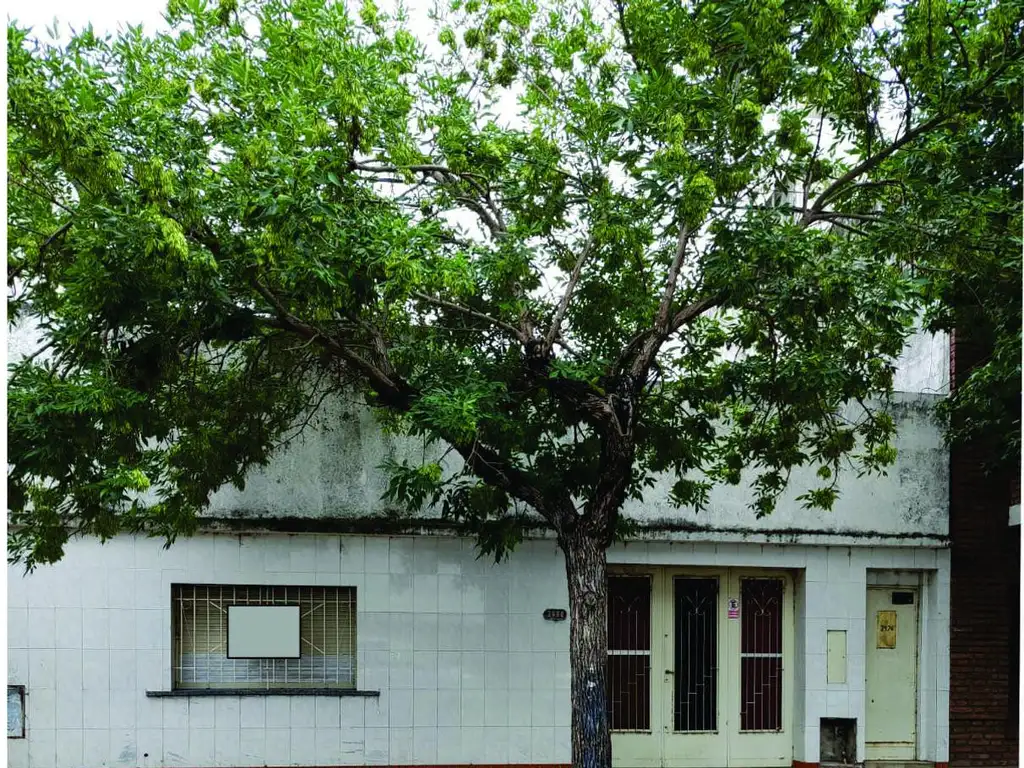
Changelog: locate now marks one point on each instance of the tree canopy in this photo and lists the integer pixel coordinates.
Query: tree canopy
(577, 245)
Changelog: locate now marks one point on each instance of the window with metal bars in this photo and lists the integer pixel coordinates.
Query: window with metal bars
(629, 652)
(327, 638)
(761, 654)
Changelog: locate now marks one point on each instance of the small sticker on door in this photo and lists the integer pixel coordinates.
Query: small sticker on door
(734, 608)
(886, 629)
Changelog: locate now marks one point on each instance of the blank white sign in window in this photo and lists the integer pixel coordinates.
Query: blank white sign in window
(263, 631)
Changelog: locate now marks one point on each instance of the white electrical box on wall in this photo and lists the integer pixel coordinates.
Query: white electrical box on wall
(263, 632)
(835, 648)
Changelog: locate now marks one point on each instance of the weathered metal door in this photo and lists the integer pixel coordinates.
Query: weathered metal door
(891, 667)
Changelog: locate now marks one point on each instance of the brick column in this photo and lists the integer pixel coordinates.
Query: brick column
(985, 599)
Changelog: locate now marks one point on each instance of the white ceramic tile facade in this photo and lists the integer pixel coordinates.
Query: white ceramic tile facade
(467, 669)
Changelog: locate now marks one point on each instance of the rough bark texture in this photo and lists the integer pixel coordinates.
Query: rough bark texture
(586, 573)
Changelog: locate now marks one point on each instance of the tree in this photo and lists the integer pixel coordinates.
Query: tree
(677, 258)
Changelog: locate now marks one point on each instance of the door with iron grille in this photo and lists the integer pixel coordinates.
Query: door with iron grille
(699, 671)
(696, 658)
(633, 656)
(760, 683)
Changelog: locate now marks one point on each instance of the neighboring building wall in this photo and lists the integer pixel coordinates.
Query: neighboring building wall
(468, 670)
(985, 609)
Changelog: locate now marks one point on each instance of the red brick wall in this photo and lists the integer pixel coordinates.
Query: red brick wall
(985, 600)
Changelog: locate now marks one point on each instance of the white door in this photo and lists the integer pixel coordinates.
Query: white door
(891, 667)
(698, 668)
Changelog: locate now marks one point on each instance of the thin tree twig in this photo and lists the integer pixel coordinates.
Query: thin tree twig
(810, 165)
(38, 352)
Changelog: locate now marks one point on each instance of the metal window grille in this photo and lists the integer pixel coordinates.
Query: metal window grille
(761, 654)
(629, 653)
(327, 638)
(696, 655)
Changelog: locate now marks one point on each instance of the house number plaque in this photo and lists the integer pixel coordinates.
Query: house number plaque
(886, 629)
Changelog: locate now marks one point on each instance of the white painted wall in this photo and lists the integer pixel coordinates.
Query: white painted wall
(912, 498)
(468, 670)
(465, 664)
(924, 365)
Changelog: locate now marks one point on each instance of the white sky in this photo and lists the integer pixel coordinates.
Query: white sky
(105, 15)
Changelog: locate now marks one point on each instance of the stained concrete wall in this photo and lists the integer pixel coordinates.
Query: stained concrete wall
(334, 471)
(911, 499)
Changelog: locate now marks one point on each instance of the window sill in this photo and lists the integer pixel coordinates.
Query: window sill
(186, 692)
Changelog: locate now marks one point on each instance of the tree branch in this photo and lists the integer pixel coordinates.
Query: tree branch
(56, 235)
(515, 332)
(661, 320)
(556, 323)
(38, 352)
(810, 165)
(681, 318)
(484, 207)
(620, 8)
(693, 311)
(870, 163)
(394, 392)
(874, 160)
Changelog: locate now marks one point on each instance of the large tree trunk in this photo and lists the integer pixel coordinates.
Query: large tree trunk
(586, 571)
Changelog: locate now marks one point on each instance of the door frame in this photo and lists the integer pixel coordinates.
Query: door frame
(919, 589)
(648, 749)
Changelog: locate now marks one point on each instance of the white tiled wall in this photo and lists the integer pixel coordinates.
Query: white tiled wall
(835, 589)
(467, 669)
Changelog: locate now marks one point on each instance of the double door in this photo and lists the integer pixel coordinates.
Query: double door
(700, 668)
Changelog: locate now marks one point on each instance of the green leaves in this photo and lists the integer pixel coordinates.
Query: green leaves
(219, 228)
(698, 195)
